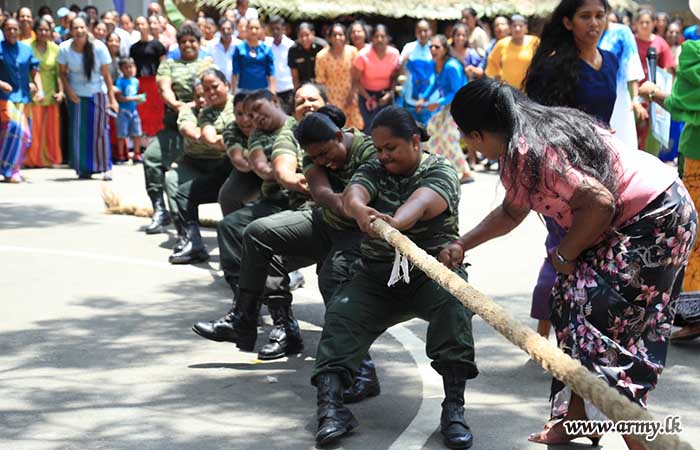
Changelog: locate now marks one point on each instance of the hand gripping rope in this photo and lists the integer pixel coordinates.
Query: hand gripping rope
(613, 404)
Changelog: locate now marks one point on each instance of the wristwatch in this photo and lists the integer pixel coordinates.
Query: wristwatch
(560, 258)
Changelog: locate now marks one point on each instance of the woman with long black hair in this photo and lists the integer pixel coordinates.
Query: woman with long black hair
(630, 224)
(84, 72)
(569, 69)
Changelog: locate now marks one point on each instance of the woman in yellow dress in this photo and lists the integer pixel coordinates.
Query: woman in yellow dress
(333, 69)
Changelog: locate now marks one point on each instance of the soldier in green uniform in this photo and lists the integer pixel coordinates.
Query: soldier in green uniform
(205, 165)
(272, 157)
(418, 194)
(242, 185)
(176, 79)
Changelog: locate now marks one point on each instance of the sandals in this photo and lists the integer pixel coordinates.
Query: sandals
(687, 333)
(551, 436)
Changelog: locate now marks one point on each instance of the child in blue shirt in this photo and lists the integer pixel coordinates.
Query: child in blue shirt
(128, 120)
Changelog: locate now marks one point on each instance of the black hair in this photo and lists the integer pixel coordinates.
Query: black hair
(380, 27)
(44, 10)
(239, 97)
(210, 21)
(225, 19)
(320, 126)
(214, 72)
(261, 94)
(472, 12)
(125, 61)
(362, 24)
(276, 20)
(400, 122)
(645, 12)
(305, 26)
(319, 87)
(4, 24)
(554, 71)
(89, 7)
(127, 15)
(38, 21)
(573, 136)
(188, 28)
(337, 25)
(88, 52)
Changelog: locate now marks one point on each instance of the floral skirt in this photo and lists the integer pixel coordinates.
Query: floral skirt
(614, 314)
(445, 139)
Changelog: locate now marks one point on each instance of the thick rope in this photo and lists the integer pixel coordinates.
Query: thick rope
(613, 404)
(114, 206)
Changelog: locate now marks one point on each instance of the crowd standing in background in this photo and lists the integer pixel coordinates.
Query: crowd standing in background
(304, 138)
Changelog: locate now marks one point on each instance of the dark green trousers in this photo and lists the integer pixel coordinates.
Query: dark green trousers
(229, 233)
(365, 307)
(199, 181)
(164, 149)
(289, 240)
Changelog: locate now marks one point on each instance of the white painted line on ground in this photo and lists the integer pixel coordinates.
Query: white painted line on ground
(428, 416)
(422, 425)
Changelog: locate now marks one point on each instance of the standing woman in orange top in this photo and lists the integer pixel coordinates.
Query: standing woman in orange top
(333, 69)
(46, 121)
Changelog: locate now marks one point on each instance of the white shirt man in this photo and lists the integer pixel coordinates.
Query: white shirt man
(283, 74)
(221, 48)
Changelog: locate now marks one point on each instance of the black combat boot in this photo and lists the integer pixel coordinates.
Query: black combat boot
(161, 217)
(453, 427)
(365, 384)
(194, 250)
(285, 337)
(181, 235)
(334, 419)
(239, 325)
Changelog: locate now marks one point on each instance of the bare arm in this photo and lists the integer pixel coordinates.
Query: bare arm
(63, 76)
(285, 169)
(593, 208)
(356, 85)
(238, 160)
(499, 222)
(234, 82)
(659, 96)
(39, 96)
(271, 84)
(295, 78)
(259, 164)
(165, 86)
(113, 105)
(211, 138)
(322, 192)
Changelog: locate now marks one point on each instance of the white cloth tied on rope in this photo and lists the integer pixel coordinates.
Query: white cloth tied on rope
(399, 270)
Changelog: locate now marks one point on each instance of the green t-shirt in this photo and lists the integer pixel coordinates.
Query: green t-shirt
(234, 139)
(361, 151)
(218, 118)
(183, 74)
(684, 101)
(388, 192)
(265, 141)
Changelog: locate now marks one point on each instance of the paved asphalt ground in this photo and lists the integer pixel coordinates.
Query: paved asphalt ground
(96, 350)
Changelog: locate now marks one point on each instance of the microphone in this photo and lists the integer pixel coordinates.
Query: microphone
(652, 58)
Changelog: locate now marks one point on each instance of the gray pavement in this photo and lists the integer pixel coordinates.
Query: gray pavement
(96, 350)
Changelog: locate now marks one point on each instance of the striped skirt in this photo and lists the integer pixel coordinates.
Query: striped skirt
(88, 135)
(15, 137)
(152, 110)
(46, 142)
